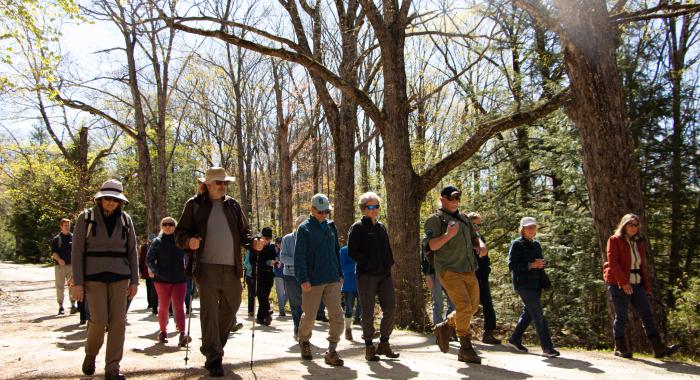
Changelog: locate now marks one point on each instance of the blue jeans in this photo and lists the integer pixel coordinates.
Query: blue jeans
(532, 312)
(294, 296)
(281, 294)
(482, 274)
(639, 300)
(438, 295)
(350, 299)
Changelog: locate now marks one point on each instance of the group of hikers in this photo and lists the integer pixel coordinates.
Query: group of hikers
(316, 272)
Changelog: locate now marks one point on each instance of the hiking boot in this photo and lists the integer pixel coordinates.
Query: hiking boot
(517, 346)
(348, 334)
(215, 368)
(621, 349)
(306, 350)
(660, 349)
(371, 353)
(331, 358)
(114, 375)
(163, 337)
(184, 339)
(443, 332)
(384, 348)
(60, 310)
(267, 320)
(236, 327)
(466, 351)
(82, 322)
(488, 338)
(89, 365)
(348, 328)
(73, 310)
(551, 353)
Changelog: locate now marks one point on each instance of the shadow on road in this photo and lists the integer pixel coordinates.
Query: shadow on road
(675, 367)
(318, 372)
(391, 369)
(488, 372)
(568, 363)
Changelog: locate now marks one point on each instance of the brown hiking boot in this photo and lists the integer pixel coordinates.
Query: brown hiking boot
(184, 339)
(443, 332)
(371, 353)
(621, 349)
(660, 349)
(306, 350)
(385, 349)
(488, 338)
(163, 337)
(89, 365)
(348, 334)
(333, 359)
(466, 351)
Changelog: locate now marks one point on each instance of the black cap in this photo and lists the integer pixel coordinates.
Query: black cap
(266, 232)
(448, 191)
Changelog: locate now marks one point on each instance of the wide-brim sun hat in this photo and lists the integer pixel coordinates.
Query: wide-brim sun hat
(112, 188)
(216, 173)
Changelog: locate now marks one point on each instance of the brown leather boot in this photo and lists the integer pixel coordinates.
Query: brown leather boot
(305, 350)
(371, 353)
(443, 331)
(488, 338)
(660, 349)
(89, 365)
(466, 351)
(621, 349)
(384, 348)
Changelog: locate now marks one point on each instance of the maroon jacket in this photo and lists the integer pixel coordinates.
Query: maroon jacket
(616, 271)
(143, 269)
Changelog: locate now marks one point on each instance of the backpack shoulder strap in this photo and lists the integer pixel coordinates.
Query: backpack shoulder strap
(89, 222)
(125, 225)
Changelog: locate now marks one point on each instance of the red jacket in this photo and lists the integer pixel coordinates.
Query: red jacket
(143, 269)
(617, 270)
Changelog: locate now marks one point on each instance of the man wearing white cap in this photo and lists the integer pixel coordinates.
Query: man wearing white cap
(317, 269)
(214, 228)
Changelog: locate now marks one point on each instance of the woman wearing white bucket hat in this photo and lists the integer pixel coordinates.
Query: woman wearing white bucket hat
(106, 272)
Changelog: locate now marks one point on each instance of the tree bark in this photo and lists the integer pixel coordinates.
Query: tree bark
(598, 111)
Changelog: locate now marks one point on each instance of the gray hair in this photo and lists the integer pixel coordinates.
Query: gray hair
(368, 196)
(299, 220)
(473, 215)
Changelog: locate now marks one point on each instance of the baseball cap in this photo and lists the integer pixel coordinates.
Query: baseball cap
(320, 202)
(449, 191)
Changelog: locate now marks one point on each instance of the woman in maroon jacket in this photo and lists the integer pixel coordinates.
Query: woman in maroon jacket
(627, 278)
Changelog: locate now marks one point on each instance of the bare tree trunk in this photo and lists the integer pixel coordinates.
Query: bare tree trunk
(598, 111)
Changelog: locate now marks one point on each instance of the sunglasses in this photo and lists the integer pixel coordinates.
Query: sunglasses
(112, 199)
(324, 212)
(633, 224)
(453, 197)
(168, 224)
(219, 183)
(372, 207)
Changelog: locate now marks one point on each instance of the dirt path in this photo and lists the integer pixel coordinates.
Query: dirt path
(37, 344)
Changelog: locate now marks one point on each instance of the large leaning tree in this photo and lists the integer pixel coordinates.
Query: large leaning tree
(406, 189)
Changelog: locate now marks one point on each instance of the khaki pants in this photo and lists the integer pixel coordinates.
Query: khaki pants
(463, 290)
(311, 300)
(219, 298)
(62, 273)
(107, 307)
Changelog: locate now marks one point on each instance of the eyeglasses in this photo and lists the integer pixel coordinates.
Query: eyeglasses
(111, 199)
(372, 207)
(168, 224)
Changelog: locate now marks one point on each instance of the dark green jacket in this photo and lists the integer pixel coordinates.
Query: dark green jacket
(316, 253)
(523, 252)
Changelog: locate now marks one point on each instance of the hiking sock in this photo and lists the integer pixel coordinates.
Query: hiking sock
(332, 346)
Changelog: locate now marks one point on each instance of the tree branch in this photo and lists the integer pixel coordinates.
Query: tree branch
(484, 132)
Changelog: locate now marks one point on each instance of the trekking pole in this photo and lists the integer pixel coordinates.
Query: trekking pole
(255, 290)
(189, 313)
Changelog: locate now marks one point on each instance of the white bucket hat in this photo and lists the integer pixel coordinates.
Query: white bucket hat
(112, 188)
(216, 173)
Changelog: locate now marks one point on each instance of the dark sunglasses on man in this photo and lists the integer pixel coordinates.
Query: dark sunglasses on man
(372, 207)
(454, 197)
(168, 224)
(324, 212)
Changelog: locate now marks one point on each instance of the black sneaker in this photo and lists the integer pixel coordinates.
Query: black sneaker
(61, 311)
(551, 353)
(516, 346)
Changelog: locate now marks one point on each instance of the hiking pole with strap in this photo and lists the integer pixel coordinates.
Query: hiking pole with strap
(256, 273)
(189, 314)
